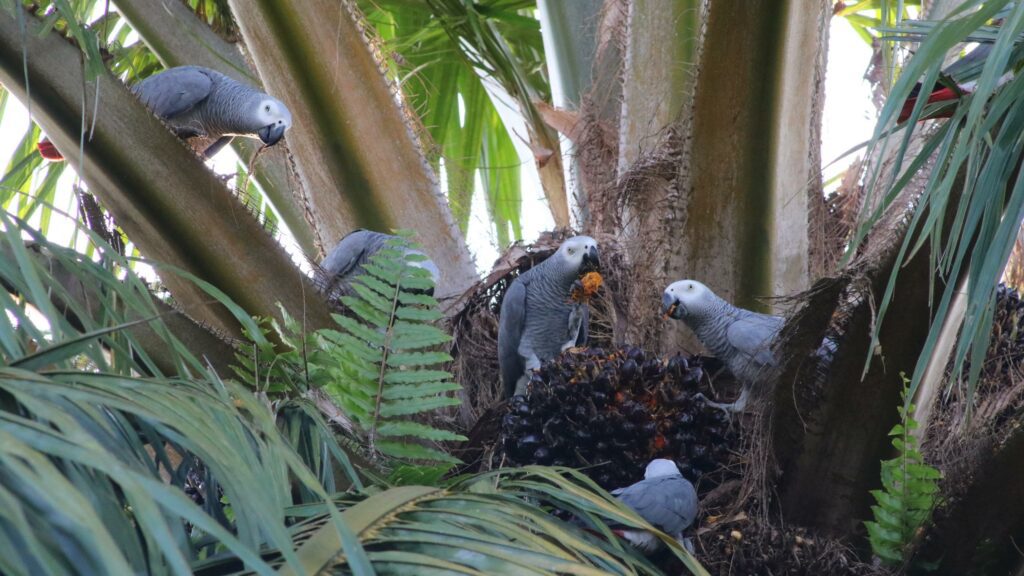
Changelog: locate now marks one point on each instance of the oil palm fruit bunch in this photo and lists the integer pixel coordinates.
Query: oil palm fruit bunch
(1006, 349)
(611, 413)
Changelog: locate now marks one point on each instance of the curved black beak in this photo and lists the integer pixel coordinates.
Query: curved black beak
(591, 261)
(670, 306)
(271, 134)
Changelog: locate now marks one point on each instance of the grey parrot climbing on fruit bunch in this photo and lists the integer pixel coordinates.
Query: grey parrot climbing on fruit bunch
(198, 102)
(545, 311)
(740, 338)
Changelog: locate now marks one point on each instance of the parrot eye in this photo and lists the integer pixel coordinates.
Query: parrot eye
(572, 251)
(689, 286)
(267, 107)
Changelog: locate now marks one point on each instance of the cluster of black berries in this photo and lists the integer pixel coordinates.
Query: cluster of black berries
(611, 413)
(1006, 349)
(195, 487)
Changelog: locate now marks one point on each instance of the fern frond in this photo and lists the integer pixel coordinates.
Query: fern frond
(388, 374)
(909, 491)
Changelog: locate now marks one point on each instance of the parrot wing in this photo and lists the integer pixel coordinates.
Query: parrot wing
(667, 502)
(175, 91)
(752, 336)
(510, 334)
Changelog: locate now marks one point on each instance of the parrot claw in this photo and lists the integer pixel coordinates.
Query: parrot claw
(732, 408)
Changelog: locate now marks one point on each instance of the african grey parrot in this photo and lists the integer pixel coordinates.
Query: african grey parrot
(199, 102)
(538, 319)
(740, 338)
(665, 499)
(346, 260)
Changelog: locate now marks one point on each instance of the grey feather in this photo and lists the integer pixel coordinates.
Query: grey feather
(667, 502)
(350, 255)
(751, 336)
(741, 338)
(510, 333)
(538, 320)
(175, 91)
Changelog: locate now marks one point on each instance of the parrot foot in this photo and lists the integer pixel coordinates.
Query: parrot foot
(521, 389)
(732, 408)
(688, 544)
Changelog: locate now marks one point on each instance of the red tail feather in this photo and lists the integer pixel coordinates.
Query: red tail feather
(49, 151)
(940, 95)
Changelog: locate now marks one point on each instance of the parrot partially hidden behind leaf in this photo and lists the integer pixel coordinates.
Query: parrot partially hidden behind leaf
(952, 85)
(664, 499)
(197, 102)
(348, 259)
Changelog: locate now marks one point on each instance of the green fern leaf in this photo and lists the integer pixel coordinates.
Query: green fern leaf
(390, 377)
(418, 359)
(407, 408)
(412, 377)
(415, 452)
(908, 494)
(416, 429)
(419, 390)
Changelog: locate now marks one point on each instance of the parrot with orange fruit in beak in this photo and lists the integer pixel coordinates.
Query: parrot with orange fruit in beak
(542, 314)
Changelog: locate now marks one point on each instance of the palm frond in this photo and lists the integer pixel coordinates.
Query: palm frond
(442, 71)
(495, 523)
(972, 206)
(93, 459)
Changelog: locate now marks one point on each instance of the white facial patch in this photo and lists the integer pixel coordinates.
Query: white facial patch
(273, 111)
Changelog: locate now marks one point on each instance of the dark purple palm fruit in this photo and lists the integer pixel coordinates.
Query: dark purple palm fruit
(610, 412)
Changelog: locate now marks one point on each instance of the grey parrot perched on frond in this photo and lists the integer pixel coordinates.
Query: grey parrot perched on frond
(351, 253)
(740, 338)
(665, 499)
(197, 102)
(539, 319)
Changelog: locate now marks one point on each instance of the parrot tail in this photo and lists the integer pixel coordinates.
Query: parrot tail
(939, 95)
(49, 151)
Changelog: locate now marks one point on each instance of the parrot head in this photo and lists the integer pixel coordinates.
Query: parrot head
(580, 252)
(274, 118)
(661, 467)
(683, 298)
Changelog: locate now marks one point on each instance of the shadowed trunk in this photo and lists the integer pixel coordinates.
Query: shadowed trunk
(979, 528)
(830, 426)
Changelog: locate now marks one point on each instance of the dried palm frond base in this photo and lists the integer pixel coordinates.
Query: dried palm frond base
(730, 542)
(959, 428)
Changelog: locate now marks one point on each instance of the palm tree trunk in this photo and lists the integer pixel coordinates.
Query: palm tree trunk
(728, 146)
(354, 149)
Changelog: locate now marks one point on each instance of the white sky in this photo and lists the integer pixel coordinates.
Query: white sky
(849, 118)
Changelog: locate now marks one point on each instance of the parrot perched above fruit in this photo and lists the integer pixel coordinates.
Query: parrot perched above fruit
(539, 318)
(665, 499)
(198, 102)
(347, 259)
(740, 338)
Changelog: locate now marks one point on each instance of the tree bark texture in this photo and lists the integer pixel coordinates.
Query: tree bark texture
(354, 149)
